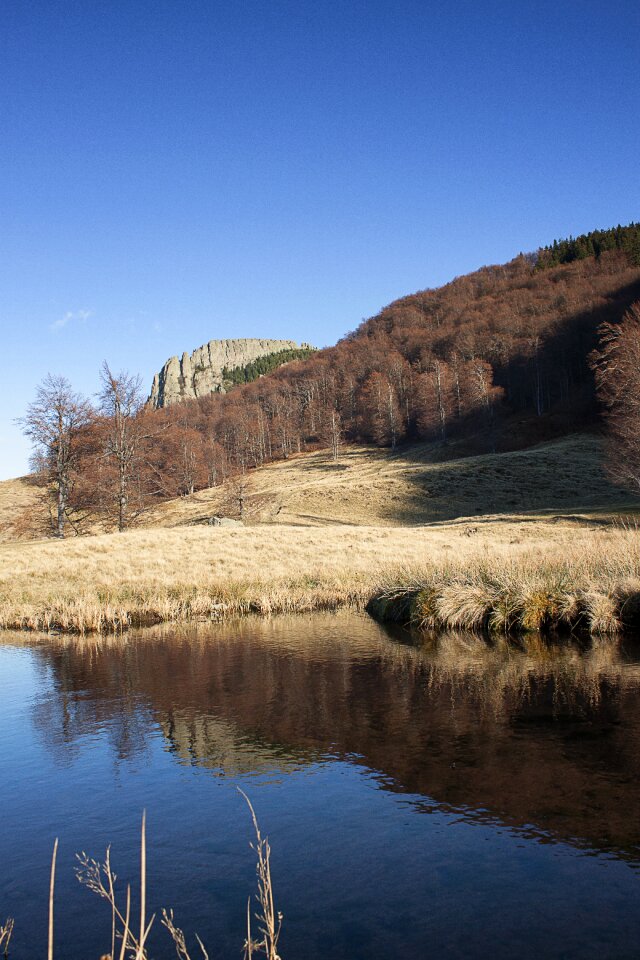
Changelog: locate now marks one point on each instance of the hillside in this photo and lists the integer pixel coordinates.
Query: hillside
(371, 486)
(492, 363)
(499, 359)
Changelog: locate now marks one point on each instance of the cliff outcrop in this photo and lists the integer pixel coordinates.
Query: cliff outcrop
(200, 373)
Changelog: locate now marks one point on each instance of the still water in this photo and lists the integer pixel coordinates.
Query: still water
(435, 798)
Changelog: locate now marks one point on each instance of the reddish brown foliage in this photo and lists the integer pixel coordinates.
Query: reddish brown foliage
(617, 371)
(501, 346)
(499, 357)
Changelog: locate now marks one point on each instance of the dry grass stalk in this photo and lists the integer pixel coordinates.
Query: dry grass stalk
(100, 879)
(52, 886)
(111, 880)
(6, 932)
(125, 929)
(270, 921)
(144, 930)
(178, 937)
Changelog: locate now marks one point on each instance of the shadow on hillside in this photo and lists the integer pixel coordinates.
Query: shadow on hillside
(320, 464)
(566, 477)
(349, 458)
(310, 519)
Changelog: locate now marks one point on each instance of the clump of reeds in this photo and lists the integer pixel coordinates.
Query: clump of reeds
(6, 932)
(269, 920)
(597, 590)
(463, 604)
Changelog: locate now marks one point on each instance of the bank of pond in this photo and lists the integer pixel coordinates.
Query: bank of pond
(494, 609)
(484, 605)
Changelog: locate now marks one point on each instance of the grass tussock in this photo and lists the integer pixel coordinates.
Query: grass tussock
(510, 576)
(592, 587)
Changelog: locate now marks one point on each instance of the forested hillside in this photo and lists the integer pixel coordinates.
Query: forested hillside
(594, 244)
(500, 356)
(499, 359)
(233, 376)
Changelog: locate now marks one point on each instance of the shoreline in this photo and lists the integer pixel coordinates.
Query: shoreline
(573, 614)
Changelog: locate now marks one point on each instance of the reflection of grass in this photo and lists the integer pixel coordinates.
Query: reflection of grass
(502, 672)
(549, 575)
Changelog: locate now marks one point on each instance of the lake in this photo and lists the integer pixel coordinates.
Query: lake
(424, 797)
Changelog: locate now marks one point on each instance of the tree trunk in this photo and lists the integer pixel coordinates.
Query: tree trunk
(62, 507)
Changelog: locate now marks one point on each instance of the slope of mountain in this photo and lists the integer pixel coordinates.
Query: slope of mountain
(368, 486)
(499, 357)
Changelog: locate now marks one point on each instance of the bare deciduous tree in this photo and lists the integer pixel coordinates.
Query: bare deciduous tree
(121, 403)
(617, 371)
(53, 423)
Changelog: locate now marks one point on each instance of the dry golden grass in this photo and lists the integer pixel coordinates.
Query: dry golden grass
(591, 582)
(23, 510)
(321, 535)
(113, 581)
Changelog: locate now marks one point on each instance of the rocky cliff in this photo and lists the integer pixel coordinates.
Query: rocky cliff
(200, 373)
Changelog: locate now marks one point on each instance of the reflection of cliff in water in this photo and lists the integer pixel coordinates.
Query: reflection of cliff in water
(543, 739)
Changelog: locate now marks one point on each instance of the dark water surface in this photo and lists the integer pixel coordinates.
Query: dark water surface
(438, 799)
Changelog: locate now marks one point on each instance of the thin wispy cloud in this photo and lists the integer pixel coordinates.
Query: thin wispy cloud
(71, 316)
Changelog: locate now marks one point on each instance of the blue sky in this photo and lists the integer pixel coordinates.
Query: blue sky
(174, 171)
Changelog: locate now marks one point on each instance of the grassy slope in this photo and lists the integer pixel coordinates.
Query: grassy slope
(23, 510)
(369, 486)
(373, 487)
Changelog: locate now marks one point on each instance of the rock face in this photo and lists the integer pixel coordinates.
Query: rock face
(200, 373)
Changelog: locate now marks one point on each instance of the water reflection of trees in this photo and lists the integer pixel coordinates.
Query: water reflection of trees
(540, 736)
(75, 711)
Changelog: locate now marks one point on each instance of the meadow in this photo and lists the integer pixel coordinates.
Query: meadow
(461, 571)
(556, 546)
